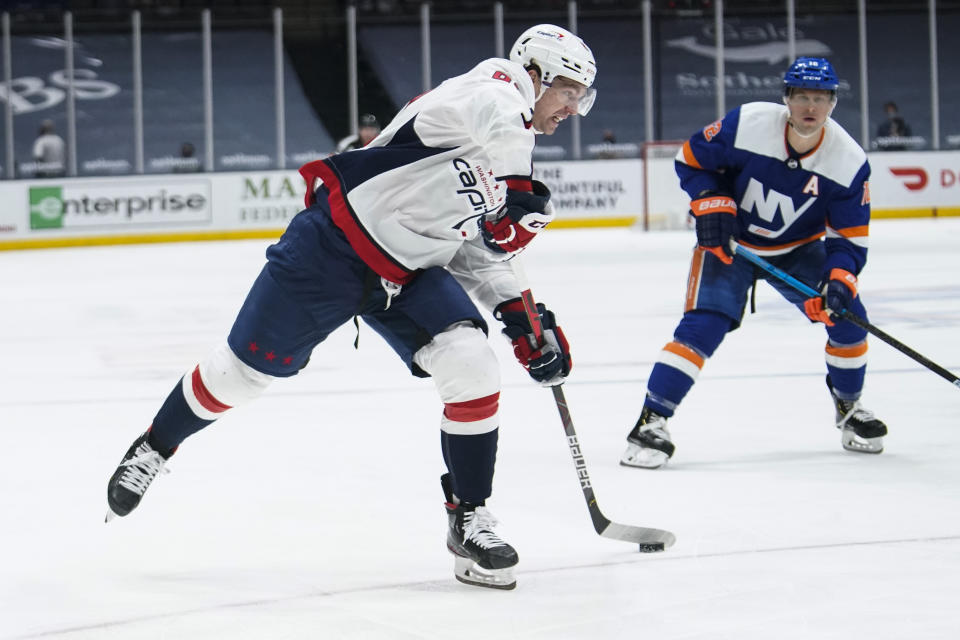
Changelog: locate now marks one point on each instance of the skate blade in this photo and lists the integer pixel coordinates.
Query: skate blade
(111, 514)
(469, 572)
(643, 458)
(852, 442)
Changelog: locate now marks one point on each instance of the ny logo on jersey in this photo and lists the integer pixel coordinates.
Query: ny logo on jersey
(767, 205)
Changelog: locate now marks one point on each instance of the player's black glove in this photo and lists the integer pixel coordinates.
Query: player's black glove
(838, 293)
(522, 217)
(549, 363)
(716, 216)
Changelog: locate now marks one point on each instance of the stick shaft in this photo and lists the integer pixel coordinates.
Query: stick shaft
(533, 316)
(649, 539)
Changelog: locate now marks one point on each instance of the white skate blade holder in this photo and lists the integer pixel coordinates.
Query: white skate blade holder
(469, 572)
(645, 458)
(852, 442)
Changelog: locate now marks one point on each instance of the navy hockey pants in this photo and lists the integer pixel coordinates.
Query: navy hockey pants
(314, 282)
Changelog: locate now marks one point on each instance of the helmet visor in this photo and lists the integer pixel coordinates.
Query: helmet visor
(586, 101)
(580, 99)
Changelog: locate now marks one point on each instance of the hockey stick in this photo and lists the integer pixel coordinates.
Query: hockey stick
(648, 539)
(848, 315)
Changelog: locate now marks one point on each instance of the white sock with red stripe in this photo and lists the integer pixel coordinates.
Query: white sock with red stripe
(218, 383)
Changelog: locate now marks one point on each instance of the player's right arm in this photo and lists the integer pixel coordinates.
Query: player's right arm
(489, 111)
(700, 164)
(501, 113)
(701, 161)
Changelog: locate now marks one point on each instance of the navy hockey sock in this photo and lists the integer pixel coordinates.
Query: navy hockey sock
(470, 460)
(174, 422)
(666, 388)
(846, 383)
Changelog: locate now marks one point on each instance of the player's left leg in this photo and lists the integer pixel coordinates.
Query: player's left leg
(845, 354)
(218, 383)
(436, 329)
(291, 307)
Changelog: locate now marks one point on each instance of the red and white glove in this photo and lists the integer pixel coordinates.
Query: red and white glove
(524, 215)
(837, 296)
(548, 363)
(716, 217)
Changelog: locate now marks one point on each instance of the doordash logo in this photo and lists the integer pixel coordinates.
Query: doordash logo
(917, 178)
(914, 178)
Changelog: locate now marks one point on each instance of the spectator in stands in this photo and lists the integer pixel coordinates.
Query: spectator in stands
(385, 7)
(891, 132)
(49, 152)
(369, 129)
(608, 148)
(188, 161)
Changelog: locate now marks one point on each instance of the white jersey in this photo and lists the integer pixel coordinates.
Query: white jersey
(412, 198)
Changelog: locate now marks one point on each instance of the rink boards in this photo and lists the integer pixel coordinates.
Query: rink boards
(206, 206)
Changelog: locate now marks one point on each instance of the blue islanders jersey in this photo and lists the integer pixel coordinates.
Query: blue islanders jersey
(783, 201)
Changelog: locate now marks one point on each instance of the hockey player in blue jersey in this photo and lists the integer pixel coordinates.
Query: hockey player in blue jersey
(787, 182)
(405, 233)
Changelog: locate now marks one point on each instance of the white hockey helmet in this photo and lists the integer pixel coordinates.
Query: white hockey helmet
(557, 52)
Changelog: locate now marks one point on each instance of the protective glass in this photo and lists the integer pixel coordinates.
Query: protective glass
(572, 98)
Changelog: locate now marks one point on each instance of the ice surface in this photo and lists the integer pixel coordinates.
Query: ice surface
(316, 512)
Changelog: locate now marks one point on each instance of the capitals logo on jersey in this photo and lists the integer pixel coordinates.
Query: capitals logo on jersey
(478, 189)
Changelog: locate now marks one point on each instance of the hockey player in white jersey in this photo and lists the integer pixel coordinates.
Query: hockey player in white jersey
(405, 233)
(787, 182)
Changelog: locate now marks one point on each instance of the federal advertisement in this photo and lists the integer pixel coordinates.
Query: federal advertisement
(269, 199)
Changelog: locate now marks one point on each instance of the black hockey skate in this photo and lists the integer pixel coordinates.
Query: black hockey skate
(139, 467)
(860, 430)
(481, 557)
(648, 443)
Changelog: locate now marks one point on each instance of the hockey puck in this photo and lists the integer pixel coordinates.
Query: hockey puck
(651, 547)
